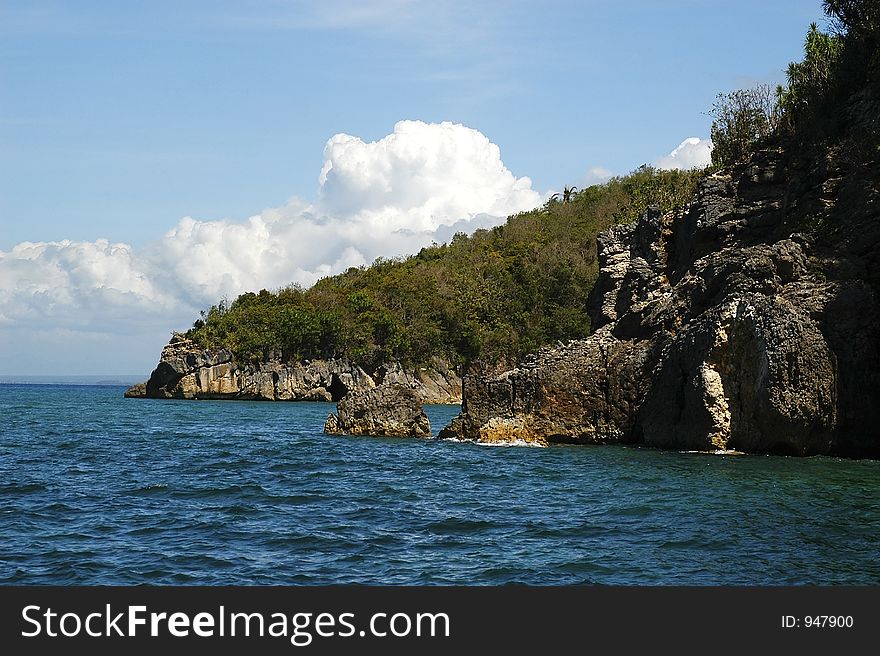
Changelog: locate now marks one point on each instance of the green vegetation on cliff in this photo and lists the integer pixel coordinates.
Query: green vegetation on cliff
(832, 97)
(495, 295)
(504, 292)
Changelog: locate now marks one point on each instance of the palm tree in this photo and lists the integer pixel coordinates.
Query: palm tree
(567, 195)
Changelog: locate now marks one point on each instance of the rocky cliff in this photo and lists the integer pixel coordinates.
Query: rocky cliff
(747, 321)
(389, 410)
(187, 371)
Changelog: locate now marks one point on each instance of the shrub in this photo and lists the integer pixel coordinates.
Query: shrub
(741, 120)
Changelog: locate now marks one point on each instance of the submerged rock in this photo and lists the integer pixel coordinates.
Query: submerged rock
(717, 328)
(391, 409)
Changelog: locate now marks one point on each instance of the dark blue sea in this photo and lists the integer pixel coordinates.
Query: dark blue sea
(97, 489)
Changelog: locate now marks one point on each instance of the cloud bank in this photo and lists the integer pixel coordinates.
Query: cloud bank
(691, 153)
(420, 183)
(99, 307)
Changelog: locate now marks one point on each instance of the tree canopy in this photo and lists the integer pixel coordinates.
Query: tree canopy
(495, 295)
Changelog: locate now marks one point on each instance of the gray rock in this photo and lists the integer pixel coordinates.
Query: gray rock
(584, 392)
(391, 410)
(188, 371)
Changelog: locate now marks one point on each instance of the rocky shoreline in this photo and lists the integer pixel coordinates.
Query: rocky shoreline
(745, 322)
(729, 326)
(188, 371)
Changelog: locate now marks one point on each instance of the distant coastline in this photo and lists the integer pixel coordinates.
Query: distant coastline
(121, 380)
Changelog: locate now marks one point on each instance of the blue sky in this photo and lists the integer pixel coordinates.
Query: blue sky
(118, 119)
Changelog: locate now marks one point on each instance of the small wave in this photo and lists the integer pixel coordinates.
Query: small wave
(313, 541)
(631, 511)
(67, 572)
(239, 509)
(164, 576)
(385, 539)
(65, 553)
(542, 531)
(22, 488)
(246, 491)
(517, 442)
(508, 575)
(151, 488)
(584, 567)
(202, 560)
(19, 575)
(69, 444)
(59, 506)
(716, 452)
(696, 544)
(459, 525)
(142, 531)
(296, 499)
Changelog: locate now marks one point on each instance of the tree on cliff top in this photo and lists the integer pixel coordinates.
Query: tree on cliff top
(741, 120)
(833, 90)
(859, 18)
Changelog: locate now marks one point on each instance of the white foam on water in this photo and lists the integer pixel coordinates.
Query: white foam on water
(515, 443)
(717, 452)
(534, 445)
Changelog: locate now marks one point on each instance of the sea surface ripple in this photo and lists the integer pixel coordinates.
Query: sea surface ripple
(97, 489)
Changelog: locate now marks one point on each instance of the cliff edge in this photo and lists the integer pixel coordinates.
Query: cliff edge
(747, 321)
(188, 371)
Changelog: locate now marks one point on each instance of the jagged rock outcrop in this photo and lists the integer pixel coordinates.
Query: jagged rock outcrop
(747, 321)
(390, 410)
(579, 393)
(188, 371)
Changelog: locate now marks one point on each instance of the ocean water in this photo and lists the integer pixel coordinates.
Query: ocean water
(97, 489)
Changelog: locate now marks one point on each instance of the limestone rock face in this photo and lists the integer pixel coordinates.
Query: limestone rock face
(391, 410)
(733, 324)
(188, 371)
(584, 392)
(435, 383)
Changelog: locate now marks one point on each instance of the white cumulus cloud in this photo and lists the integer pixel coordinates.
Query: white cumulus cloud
(76, 285)
(420, 177)
(691, 153)
(597, 175)
(390, 197)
